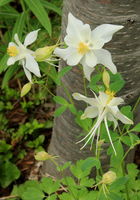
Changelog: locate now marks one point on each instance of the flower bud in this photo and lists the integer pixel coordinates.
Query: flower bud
(44, 53)
(26, 88)
(43, 155)
(109, 177)
(106, 78)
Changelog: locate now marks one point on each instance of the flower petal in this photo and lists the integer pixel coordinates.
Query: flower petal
(31, 37)
(69, 54)
(103, 98)
(110, 117)
(123, 118)
(16, 38)
(104, 58)
(90, 112)
(90, 59)
(27, 72)
(103, 34)
(88, 71)
(74, 25)
(116, 101)
(11, 61)
(80, 97)
(32, 65)
(12, 44)
(117, 114)
(76, 31)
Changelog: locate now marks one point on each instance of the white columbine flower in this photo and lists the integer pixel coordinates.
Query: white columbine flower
(104, 107)
(19, 52)
(85, 46)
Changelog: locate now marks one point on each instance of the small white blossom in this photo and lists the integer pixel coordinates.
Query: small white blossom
(85, 45)
(104, 107)
(19, 52)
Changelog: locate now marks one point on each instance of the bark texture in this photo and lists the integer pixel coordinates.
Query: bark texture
(125, 49)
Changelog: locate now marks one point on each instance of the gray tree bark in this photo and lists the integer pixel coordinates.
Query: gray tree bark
(125, 49)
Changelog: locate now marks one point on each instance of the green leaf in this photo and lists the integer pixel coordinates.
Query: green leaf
(61, 168)
(32, 193)
(93, 83)
(69, 181)
(49, 186)
(66, 196)
(130, 140)
(72, 108)
(82, 168)
(37, 8)
(91, 162)
(4, 147)
(50, 71)
(19, 25)
(8, 12)
(8, 173)
(83, 123)
(3, 61)
(3, 2)
(119, 183)
(52, 197)
(8, 75)
(116, 159)
(117, 82)
(59, 111)
(86, 182)
(114, 196)
(51, 6)
(60, 100)
(132, 170)
(136, 128)
(127, 110)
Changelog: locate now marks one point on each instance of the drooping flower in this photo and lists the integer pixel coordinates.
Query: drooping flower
(104, 107)
(19, 52)
(85, 45)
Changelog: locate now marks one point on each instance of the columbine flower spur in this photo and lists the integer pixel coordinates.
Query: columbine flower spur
(85, 46)
(104, 107)
(19, 52)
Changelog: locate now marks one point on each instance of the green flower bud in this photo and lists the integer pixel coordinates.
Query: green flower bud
(26, 88)
(43, 155)
(109, 177)
(106, 78)
(44, 53)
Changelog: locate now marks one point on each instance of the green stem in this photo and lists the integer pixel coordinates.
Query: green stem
(129, 150)
(50, 92)
(136, 104)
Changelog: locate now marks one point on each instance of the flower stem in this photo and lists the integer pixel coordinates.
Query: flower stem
(136, 104)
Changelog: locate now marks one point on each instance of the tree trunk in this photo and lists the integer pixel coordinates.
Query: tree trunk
(125, 49)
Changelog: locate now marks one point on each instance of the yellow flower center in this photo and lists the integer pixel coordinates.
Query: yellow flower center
(83, 48)
(12, 51)
(111, 95)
